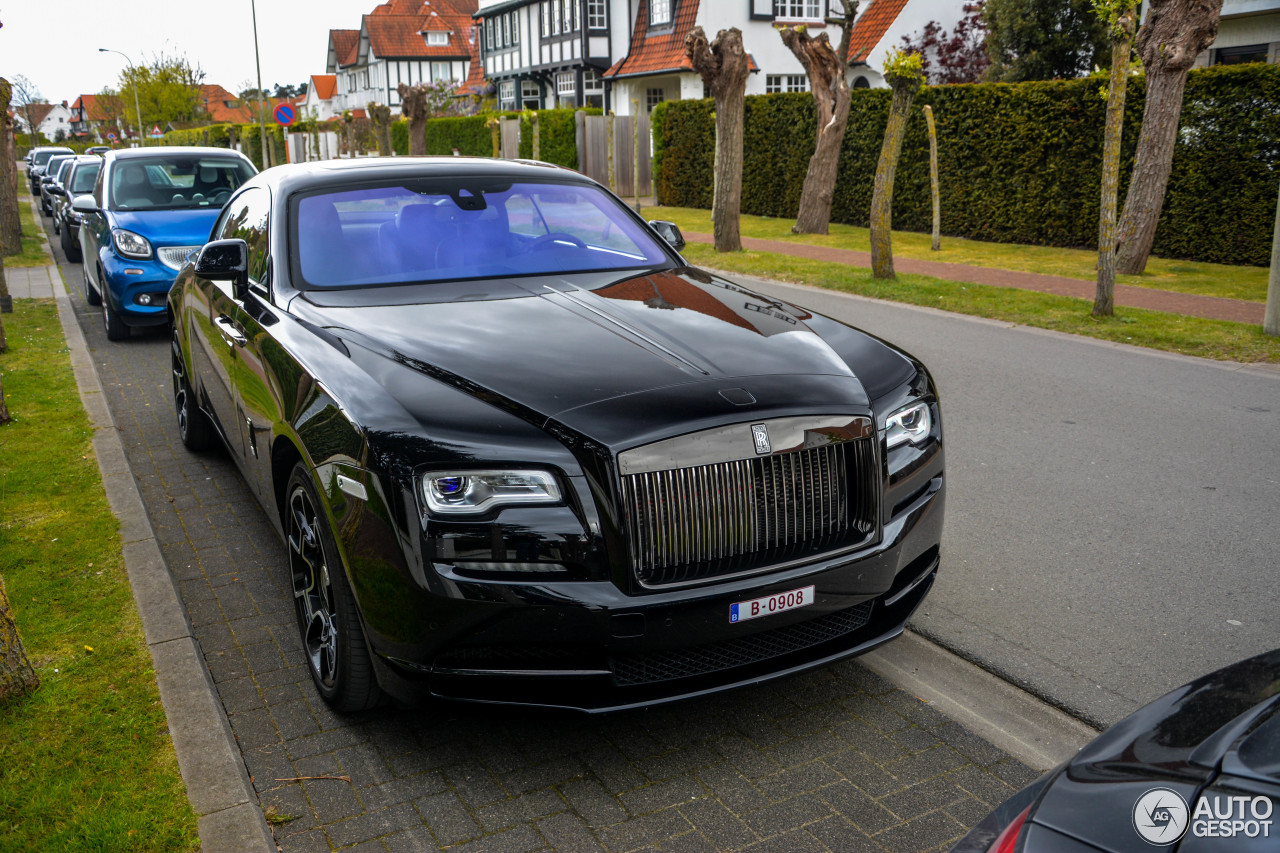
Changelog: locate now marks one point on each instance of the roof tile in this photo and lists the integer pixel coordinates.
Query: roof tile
(651, 54)
(871, 26)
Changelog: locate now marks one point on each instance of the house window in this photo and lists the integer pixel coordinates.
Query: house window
(507, 94)
(596, 15)
(796, 9)
(488, 34)
(1239, 55)
(565, 84)
(591, 81)
(530, 95)
(570, 6)
(659, 12)
(861, 82)
(441, 71)
(786, 83)
(437, 39)
(545, 12)
(515, 28)
(506, 30)
(555, 17)
(653, 97)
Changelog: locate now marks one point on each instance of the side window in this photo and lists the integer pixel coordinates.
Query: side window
(97, 187)
(246, 219)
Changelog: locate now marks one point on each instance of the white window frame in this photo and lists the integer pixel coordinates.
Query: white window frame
(507, 94)
(597, 15)
(661, 12)
(555, 17)
(797, 10)
(545, 12)
(566, 84)
(529, 90)
(441, 71)
(436, 38)
(652, 97)
(592, 83)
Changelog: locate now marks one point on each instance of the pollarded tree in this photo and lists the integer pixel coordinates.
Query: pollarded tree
(827, 68)
(414, 107)
(722, 64)
(904, 74)
(10, 223)
(1175, 33)
(380, 115)
(1120, 17)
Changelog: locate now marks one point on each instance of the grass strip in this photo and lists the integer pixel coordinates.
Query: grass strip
(1248, 283)
(1217, 339)
(33, 253)
(86, 762)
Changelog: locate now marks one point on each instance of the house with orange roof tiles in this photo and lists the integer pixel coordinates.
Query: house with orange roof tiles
(319, 101)
(401, 41)
(653, 67)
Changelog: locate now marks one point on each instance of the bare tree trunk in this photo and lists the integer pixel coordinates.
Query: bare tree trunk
(905, 85)
(1121, 46)
(6, 301)
(723, 67)
(608, 144)
(537, 134)
(10, 224)
(381, 116)
(17, 678)
(936, 244)
(1176, 32)
(829, 82)
(413, 106)
(1271, 314)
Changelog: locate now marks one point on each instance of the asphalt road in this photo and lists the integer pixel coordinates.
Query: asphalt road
(1112, 511)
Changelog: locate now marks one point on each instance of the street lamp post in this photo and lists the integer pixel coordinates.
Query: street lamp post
(262, 96)
(142, 139)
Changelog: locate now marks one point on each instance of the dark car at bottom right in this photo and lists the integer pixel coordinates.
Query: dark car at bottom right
(1196, 771)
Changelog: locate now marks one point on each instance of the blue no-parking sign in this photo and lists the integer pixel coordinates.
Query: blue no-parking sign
(285, 114)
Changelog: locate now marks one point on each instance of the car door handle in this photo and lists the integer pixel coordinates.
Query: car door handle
(230, 332)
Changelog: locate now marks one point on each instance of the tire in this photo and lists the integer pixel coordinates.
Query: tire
(91, 294)
(117, 329)
(328, 622)
(194, 427)
(70, 250)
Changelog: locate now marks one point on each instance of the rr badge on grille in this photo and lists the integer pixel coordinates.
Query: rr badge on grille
(760, 433)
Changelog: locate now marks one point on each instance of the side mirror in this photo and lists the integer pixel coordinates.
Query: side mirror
(57, 190)
(84, 204)
(669, 231)
(226, 260)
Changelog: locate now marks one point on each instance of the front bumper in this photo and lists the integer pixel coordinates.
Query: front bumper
(126, 279)
(588, 646)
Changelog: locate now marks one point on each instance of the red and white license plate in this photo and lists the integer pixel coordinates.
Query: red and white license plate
(779, 602)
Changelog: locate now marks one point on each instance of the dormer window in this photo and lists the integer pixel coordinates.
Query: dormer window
(437, 39)
(797, 10)
(659, 12)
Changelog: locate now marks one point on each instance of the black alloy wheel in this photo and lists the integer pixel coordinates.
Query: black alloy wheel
(91, 294)
(193, 424)
(332, 637)
(117, 329)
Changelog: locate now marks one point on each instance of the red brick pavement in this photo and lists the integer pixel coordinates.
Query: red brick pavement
(1208, 307)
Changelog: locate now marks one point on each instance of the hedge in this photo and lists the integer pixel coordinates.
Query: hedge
(1018, 163)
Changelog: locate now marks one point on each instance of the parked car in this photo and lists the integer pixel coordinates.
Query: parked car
(150, 208)
(1197, 770)
(78, 179)
(38, 157)
(97, 149)
(47, 178)
(51, 187)
(521, 452)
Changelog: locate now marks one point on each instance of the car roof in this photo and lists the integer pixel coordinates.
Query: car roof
(295, 177)
(161, 150)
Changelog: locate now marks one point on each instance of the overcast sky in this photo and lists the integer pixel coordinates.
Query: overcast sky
(54, 43)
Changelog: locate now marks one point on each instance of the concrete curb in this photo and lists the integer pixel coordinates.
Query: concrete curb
(228, 814)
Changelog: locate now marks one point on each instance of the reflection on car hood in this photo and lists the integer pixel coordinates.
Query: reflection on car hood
(169, 227)
(556, 346)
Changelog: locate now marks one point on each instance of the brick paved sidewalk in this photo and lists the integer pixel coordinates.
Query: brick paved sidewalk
(838, 759)
(1208, 307)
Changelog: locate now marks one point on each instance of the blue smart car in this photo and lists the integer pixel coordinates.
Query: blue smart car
(150, 208)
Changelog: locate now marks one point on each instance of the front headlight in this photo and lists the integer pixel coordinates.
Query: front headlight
(471, 492)
(131, 245)
(909, 424)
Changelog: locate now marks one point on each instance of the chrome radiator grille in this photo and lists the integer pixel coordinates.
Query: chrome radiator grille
(691, 524)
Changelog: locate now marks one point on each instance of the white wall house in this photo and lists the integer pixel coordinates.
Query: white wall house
(1248, 31)
(48, 119)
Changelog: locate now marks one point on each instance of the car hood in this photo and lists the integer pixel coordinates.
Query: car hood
(598, 348)
(168, 227)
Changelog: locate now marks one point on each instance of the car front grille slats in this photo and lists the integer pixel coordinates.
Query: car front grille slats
(707, 521)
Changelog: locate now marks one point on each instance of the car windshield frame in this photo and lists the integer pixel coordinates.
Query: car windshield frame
(244, 172)
(75, 174)
(648, 252)
(42, 157)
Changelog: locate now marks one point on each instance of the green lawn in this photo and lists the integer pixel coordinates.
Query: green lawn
(1248, 283)
(86, 761)
(33, 253)
(1158, 330)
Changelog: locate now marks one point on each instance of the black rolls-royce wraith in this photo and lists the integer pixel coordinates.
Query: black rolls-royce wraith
(521, 452)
